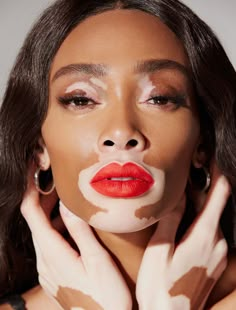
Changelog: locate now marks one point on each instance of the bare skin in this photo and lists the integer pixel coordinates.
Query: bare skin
(194, 273)
(124, 89)
(135, 116)
(171, 148)
(156, 250)
(78, 297)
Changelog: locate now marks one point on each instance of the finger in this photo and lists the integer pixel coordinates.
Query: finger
(32, 211)
(39, 257)
(215, 201)
(82, 234)
(162, 243)
(168, 226)
(48, 239)
(218, 257)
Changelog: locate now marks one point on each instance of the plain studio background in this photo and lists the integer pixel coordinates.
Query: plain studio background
(16, 18)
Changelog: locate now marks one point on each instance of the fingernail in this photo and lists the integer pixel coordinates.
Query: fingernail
(66, 212)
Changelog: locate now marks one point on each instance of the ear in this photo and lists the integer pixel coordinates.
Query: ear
(42, 156)
(199, 156)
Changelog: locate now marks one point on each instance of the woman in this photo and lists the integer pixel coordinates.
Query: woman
(128, 104)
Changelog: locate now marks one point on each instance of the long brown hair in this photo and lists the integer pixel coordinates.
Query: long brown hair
(25, 106)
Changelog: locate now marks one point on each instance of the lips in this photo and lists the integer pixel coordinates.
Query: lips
(122, 181)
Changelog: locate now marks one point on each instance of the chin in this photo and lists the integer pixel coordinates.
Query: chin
(120, 226)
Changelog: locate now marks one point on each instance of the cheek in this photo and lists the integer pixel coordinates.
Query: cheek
(173, 141)
(69, 152)
(172, 150)
(69, 140)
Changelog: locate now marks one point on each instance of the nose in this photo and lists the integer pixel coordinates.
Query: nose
(121, 134)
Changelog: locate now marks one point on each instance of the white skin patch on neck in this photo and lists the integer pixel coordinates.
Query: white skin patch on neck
(120, 216)
(146, 86)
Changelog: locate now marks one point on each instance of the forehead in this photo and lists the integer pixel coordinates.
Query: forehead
(119, 38)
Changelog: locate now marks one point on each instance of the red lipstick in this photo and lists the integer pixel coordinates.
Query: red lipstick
(122, 181)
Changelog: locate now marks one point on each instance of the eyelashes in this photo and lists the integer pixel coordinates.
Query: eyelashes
(77, 101)
(168, 101)
(81, 102)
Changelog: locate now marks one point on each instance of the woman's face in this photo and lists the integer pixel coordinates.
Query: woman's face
(122, 126)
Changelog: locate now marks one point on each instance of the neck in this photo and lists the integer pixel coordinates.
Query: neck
(127, 250)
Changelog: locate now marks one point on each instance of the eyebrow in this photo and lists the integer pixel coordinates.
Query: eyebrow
(96, 70)
(99, 70)
(152, 65)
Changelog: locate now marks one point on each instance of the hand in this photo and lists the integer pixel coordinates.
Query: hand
(90, 280)
(182, 276)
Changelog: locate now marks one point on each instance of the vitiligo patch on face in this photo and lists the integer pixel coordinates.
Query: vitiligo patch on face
(84, 86)
(78, 298)
(120, 214)
(146, 86)
(146, 212)
(92, 210)
(185, 286)
(99, 83)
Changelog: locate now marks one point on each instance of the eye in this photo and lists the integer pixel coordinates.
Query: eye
(167, 100)
(159, 100)
(79, 102)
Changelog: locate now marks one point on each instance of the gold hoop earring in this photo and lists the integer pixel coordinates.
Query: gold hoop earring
(37, 183)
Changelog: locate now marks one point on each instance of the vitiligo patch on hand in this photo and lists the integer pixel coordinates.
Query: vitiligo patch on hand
(69, 299)
(186, 286)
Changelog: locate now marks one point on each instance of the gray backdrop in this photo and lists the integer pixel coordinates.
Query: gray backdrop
(17, 16)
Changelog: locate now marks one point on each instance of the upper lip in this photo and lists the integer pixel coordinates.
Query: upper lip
(122, 171)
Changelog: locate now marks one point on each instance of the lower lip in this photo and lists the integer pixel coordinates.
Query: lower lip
(122, 189)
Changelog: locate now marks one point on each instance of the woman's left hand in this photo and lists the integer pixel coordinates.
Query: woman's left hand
(180, 277)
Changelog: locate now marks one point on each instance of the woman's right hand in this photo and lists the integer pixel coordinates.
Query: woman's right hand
(88, 280)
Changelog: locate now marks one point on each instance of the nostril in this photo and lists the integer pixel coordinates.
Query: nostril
(132, 142)
(108, 143)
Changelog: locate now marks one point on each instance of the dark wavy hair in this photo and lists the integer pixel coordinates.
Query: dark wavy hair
(25, 105)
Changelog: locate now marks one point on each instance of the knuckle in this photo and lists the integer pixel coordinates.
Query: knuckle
(223, 187)
(221, 249)
(226, 189)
